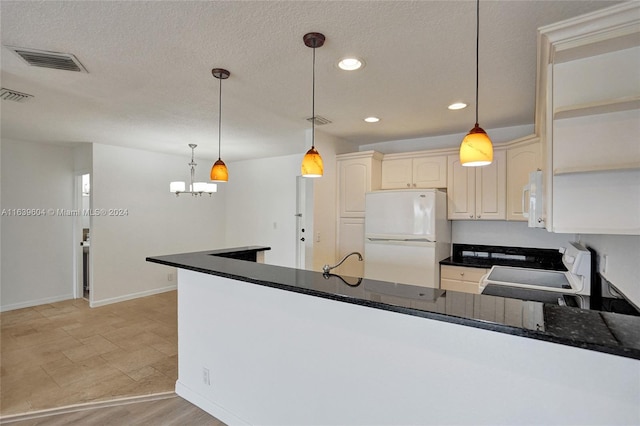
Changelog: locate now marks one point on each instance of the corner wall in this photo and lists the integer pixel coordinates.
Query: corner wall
(622, 267)
(37, 251)
(261, 204)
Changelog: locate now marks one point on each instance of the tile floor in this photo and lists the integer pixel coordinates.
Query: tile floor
(68, 353)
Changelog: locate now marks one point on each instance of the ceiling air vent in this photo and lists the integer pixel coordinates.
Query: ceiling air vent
(46, 59)
(13, 95)
(319, 120)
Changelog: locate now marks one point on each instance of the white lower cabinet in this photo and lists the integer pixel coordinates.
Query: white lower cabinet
(350, 238)
(460, 278)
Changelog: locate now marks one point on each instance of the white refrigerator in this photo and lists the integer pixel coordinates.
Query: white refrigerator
(407, 234)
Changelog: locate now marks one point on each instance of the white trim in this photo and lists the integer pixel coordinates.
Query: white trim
(207, 405)
(36, 302)
(87, 406)
(95, 304)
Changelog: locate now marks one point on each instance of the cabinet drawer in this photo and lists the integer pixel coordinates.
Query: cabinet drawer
(461, 273)
(461, 286)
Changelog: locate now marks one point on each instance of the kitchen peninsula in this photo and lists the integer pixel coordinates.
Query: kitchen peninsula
(263, 344)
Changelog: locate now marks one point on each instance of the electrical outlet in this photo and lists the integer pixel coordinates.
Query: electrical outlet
(206, 379)
(169, 277)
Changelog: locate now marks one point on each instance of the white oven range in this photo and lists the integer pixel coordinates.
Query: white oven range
(575, 281)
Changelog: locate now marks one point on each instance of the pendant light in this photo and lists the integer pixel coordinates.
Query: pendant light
(476, 148)
(219, 172)
(312, 162)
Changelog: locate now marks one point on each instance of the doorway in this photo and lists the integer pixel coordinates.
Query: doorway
(82, 236)
(304, 224)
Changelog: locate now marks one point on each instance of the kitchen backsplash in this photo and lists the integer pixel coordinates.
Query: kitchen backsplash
(503, 233)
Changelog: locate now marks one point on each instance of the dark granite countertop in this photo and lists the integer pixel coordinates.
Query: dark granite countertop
(481, 256)
(611, 333)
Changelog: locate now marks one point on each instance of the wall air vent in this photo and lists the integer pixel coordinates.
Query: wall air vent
(13, 95)
(46, 59)
(319, 120)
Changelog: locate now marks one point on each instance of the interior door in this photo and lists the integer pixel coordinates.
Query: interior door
(304, 232)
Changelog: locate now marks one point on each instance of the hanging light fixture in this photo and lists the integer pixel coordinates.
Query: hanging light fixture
(312, 162)
(219, 172)
(195, 188)
(476, 148)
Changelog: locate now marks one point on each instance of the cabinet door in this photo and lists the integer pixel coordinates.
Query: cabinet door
(355, 182)
(491, 188)
(430, 172)
(521, 161)
(461, 193)
(396, 174)
(350, 238)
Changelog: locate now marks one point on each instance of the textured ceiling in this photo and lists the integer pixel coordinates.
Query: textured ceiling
(150, 86)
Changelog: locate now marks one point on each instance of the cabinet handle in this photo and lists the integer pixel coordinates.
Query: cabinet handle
(462, 274)
(479, 216)
(470, 216)
(408, 185)
(414, 185)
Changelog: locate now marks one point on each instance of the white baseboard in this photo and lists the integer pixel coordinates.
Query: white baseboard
(36, 302)
(210, 407)
(96, 303)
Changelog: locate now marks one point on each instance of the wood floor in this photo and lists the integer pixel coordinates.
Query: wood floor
(67, 353)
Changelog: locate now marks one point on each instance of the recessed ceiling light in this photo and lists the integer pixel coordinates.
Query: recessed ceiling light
(350, 64)
(457, 105)
(372, 119)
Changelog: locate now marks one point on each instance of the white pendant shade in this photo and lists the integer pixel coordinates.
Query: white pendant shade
(177, 187)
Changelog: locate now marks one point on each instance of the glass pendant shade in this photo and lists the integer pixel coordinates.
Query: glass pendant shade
(312, 164)
(476, 148)
(219, 172)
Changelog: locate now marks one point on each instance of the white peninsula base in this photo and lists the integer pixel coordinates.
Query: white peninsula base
(284, 358)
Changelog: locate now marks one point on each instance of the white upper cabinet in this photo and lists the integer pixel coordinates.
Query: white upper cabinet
(522, 159)
(477, 192)
(415, 172)
(588, 115)
(358, 173)
(596, 104)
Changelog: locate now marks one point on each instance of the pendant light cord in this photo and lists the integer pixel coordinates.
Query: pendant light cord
(477, 53)
(220, 118)
(313, 100)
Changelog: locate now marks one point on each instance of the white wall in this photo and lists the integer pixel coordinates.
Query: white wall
(300, 359)
(37, 252)
(500, 135)
(623, 261)
(156, 222)
(261, 204)
(503, 233)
